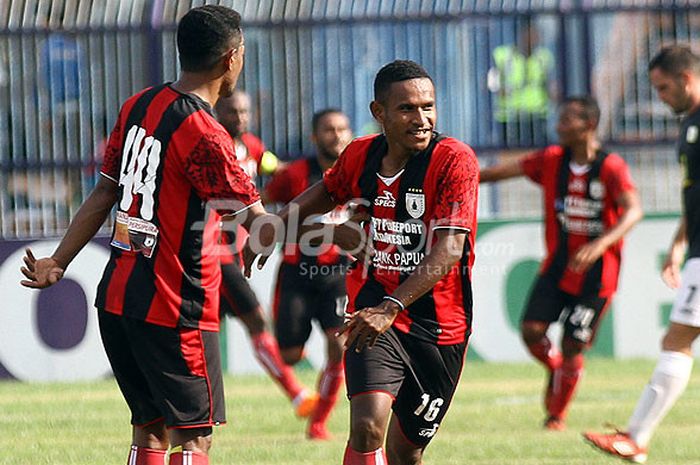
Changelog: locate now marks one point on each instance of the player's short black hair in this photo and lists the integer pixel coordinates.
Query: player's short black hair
(320, 114)
(205, 34)
(675, 59)
(591, 110)
(396, 71)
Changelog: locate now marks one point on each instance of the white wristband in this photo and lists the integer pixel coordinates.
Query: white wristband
(402, 307)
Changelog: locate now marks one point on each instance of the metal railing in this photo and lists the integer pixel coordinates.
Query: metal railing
(66, 65)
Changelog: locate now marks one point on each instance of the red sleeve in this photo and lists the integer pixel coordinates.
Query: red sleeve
(215, 174)
(255, 146)
(533, 166)
(457, 192)
(112, 160)
(617, 177)
(279, 188)
(338, 179)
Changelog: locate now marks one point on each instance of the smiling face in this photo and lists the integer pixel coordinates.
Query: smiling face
(407, 114)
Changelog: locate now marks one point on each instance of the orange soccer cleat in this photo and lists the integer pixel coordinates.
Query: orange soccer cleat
(619, 444)
(306, 405)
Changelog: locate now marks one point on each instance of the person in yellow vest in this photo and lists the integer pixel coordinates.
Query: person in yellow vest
(521, 85)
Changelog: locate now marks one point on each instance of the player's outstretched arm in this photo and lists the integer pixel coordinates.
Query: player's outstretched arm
(632, 213)
(501, 171)
(365, 325)
(671, 271)
(313, 201)
(44, 272)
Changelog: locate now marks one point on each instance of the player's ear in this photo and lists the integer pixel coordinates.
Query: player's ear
(377, 110)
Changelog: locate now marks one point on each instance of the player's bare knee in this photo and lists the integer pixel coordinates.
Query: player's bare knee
(334, 347)
(403, 456)
(532, 331)
(366, 434)
(197, 439)
(153, 436)
(254, 321)
(292, 355)
(571, 348)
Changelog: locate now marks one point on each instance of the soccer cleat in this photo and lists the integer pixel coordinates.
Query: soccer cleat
(306, 404)
(618, 444)
(318, 432)
(554, 424)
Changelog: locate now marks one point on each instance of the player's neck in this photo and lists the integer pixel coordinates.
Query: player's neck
(199, 84)
(324, 161)
(585, 154)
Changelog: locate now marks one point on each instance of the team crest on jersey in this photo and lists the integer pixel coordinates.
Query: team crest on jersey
(415, 202)
(596, 189)
(577, 185)
(691, 136)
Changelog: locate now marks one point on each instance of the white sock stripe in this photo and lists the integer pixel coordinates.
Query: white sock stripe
(266, 359)
(133, 454)
(379, 457)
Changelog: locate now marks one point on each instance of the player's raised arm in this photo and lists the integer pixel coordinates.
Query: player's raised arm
(501, 171)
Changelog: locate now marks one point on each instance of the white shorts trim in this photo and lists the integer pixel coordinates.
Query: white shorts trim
(686, 307)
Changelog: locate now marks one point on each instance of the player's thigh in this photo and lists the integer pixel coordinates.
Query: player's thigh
(583, 318)
(293, 308)
(132, 382)
(237, 297)
(379, 369)
(686, 306)
(330, 300)
(545, 302)
(427, 392)
(183, 369)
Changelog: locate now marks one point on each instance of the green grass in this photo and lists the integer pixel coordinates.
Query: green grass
(495, 420)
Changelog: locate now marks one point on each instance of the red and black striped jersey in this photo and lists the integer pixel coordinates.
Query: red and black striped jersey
(437, 189)
(283, 188)
(579, 205)
(170, 158)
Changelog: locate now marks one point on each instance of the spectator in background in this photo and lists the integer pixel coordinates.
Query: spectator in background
(522, 85)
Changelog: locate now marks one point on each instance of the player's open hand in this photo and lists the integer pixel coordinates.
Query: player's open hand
(40, 273)
(364, 326)
(586, 256)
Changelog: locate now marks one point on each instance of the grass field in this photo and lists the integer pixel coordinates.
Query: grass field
(495, 420)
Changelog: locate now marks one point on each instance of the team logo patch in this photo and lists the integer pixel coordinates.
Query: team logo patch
(691, 136)
(577, 185)
(415, 203)
(596, 189)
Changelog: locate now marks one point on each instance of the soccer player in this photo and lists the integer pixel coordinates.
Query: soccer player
(675, 74)
(410, 307)
(312, 287)
(237, 297)
(233, 113)
(590, 203)
(158, 301)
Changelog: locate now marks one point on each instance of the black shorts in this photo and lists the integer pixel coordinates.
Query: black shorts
(421, 376)
(579, 314)
(237, 297)
(300, 298)
(170, 374)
